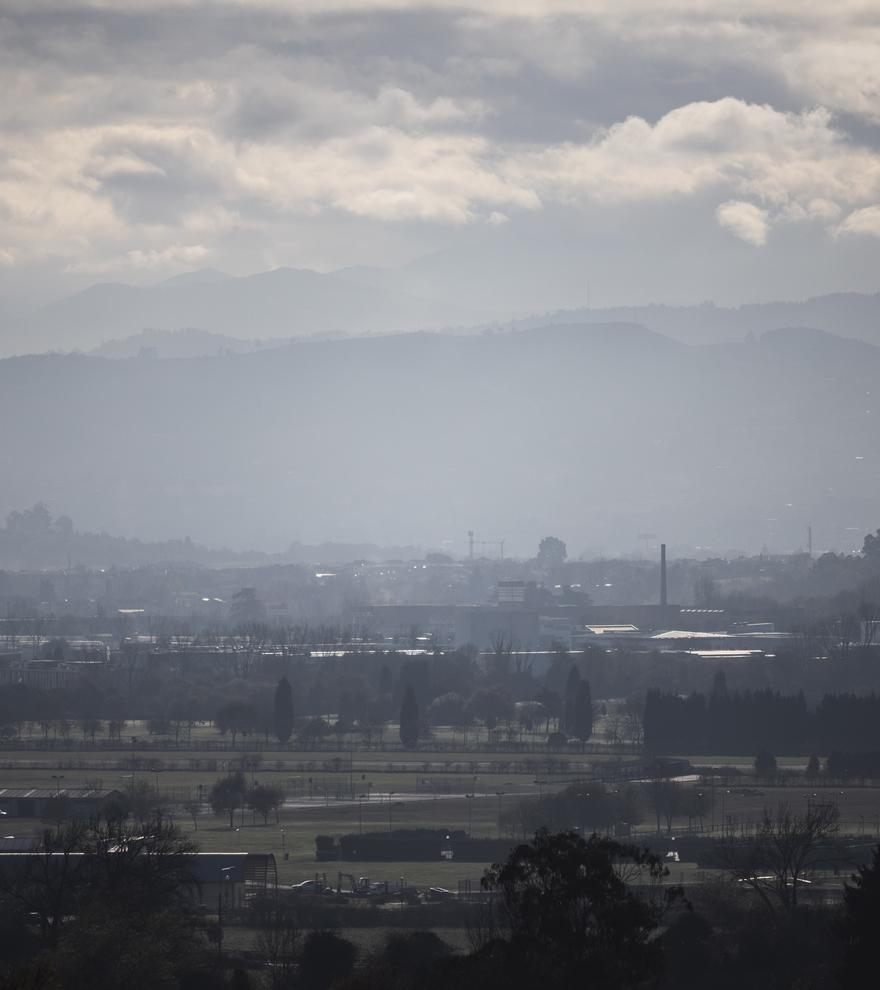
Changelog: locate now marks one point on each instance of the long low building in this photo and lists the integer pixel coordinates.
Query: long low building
(51, 802)
(212, 879)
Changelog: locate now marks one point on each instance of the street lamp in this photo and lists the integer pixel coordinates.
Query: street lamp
(499, 795)
(470, 805)
(57, 778)
(221, 896)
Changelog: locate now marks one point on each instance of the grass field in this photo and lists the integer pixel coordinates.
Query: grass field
(428, 790)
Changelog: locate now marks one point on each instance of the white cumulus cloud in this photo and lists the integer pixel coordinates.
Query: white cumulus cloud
(745, 220)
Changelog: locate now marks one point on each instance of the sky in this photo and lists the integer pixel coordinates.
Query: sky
(660, 152)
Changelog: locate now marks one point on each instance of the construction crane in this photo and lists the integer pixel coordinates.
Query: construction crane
(482, 543)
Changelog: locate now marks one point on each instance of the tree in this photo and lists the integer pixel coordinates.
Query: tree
(551, 552)
(227, 795)
(283, 710)
(860, 923)
(489, 705)
(264, 798)
(570, 915)
(325, 959)
(236, 717)
(765, 765)
(775, 860)
(246, 608)
(193, 808)
(409, 718)
(571, 689)
(582, 712)
(447, 709)
(277, 941)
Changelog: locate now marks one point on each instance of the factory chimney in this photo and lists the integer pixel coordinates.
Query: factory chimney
(662, 575)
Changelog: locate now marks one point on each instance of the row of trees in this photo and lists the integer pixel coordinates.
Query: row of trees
(232, 793)
(744, 722)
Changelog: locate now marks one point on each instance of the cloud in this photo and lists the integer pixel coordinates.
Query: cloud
(133, 127)
(745, 220)
(863, 221)
(187, 254)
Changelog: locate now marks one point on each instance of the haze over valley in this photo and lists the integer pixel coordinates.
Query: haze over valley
(600, 431)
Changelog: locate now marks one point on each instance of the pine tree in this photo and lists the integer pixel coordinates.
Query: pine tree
(571, 689)
(283, 710)
(582, 712)
(409, 718)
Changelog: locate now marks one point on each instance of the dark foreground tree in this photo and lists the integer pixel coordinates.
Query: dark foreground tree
(114, 908)
(571, 918)
(409, 718)
(283, 710)
(860, 924)
(325, 959)
(775, 862)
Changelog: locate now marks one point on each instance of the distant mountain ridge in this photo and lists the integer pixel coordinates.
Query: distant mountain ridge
(282, 303)
(293, 303)
(847, 314)
(594, 433)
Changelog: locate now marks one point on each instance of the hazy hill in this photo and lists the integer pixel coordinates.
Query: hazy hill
(848, 314)
(186, 343)
(285, 302)
(592, 433)
(433, 292)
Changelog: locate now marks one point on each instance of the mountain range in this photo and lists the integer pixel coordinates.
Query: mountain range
(219, 312)
(594, 433)
(282, 303)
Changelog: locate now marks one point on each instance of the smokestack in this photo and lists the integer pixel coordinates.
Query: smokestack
(663, 575)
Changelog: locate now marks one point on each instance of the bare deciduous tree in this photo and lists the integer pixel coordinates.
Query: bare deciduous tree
(775, 861)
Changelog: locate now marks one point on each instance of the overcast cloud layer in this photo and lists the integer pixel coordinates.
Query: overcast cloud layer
(140, 139)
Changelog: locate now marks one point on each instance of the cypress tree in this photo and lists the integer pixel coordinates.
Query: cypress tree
(571, 690)
(409, 718)
(582, 711)
(283, 710)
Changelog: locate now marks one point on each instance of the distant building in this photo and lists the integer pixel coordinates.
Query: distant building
(48, 802)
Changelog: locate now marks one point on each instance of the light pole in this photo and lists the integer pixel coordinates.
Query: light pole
(221, 896)
(470, 804)
(499, 795)
(57, 778)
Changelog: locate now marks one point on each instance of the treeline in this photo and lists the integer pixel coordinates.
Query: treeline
(32, 539)
(749, 721)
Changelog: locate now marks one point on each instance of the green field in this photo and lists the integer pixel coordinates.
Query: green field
(428, 792)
